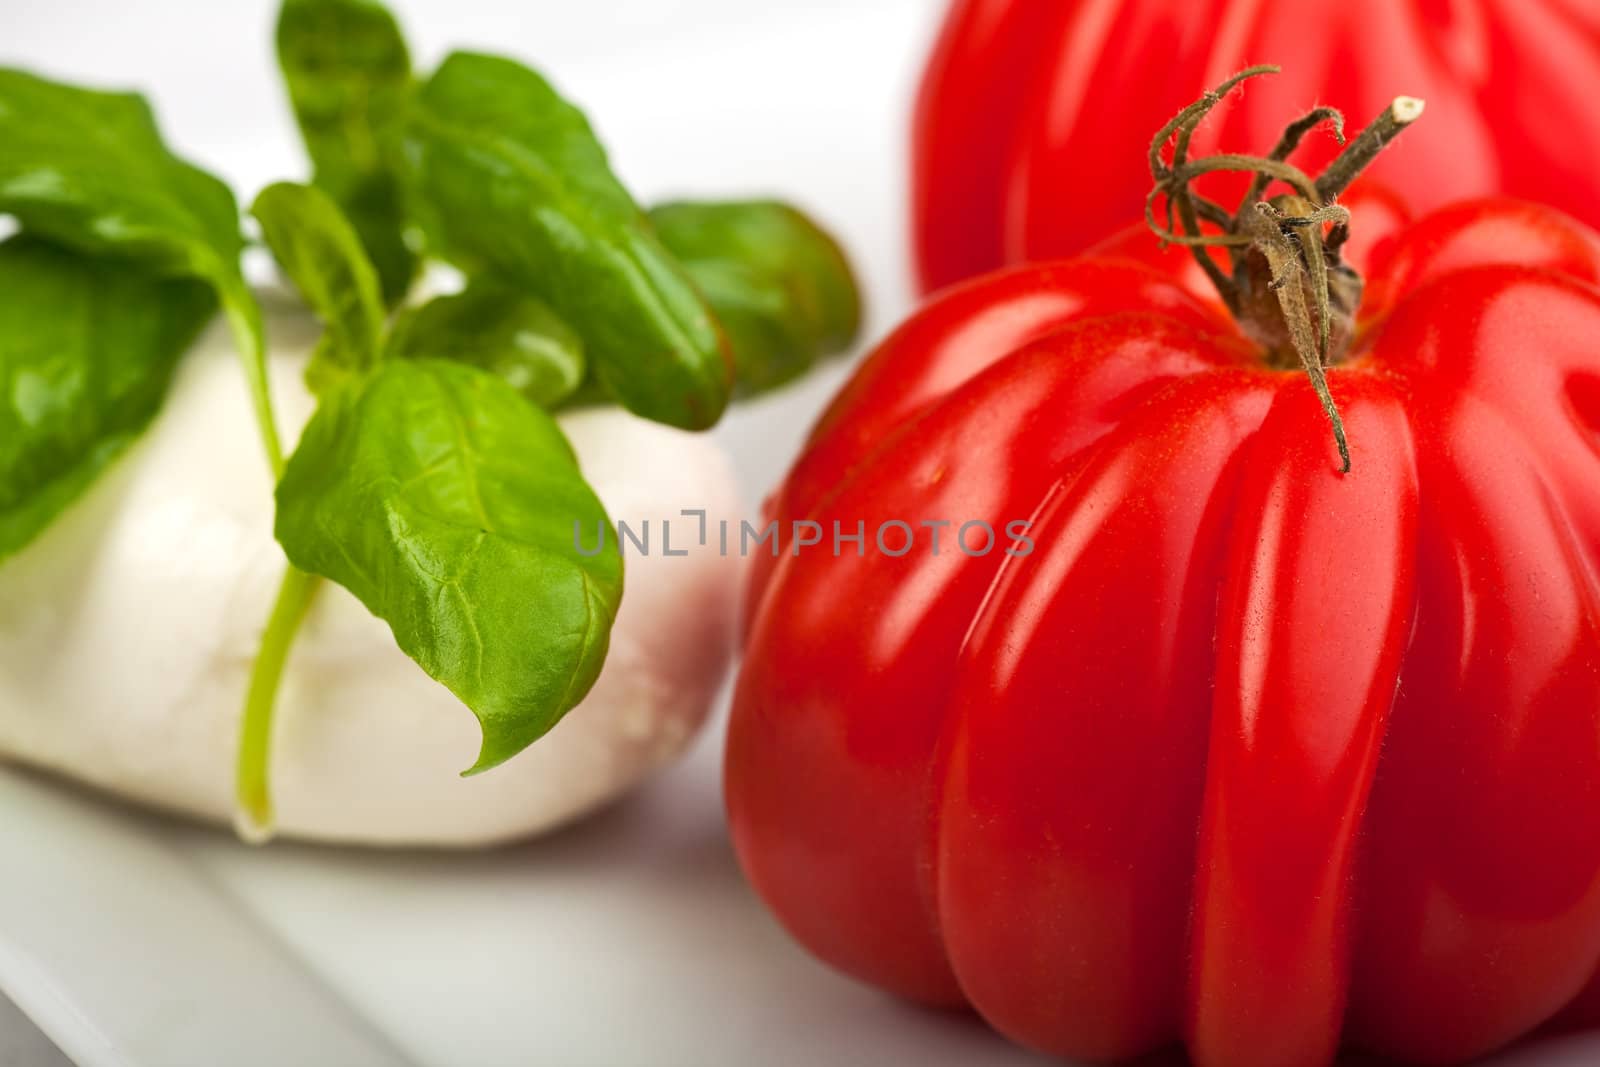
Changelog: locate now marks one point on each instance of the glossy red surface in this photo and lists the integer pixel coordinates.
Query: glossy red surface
(1246, 754)
(1034, 115)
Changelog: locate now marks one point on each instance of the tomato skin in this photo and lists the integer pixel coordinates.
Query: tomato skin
(1034, 116)
(1246, 754)
(957, 336)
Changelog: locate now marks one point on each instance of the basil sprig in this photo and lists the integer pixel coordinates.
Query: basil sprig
(676, 309)
(431, 481)
(439, 496)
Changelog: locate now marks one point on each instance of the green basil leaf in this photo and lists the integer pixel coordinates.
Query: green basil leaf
(509, 178)
(88, 169)
(348, 74)
(499, 330)
(87, 348)
(317, 248)
(780, 285)
(447, 504)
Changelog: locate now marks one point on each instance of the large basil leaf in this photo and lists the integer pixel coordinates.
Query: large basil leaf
(500, 330)
(88, 169)
(780, 285)
(508, 177)
(316, 247)
(447, 503)
(348, 74)
(87, 348)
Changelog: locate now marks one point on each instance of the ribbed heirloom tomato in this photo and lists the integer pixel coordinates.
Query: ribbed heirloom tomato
(1032, 113)
(1249, 752)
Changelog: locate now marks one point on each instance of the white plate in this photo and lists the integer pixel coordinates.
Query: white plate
(631, 939)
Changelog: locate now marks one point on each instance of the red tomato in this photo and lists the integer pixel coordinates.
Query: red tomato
(1033, 115)
(1245, 753)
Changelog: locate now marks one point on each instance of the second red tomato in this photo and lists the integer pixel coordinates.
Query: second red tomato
(1034, 115)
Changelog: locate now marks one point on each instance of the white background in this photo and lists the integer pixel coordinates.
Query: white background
(630, 939)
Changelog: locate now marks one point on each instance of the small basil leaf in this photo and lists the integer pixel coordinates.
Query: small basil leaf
(500, 330)
(780, 285)
(87, 348)
(348, 74)
(317, 248)
(447, 504)
(88, 169)
(509, 178)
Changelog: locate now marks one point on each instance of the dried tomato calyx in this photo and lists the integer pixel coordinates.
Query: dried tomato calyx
(1288, 288)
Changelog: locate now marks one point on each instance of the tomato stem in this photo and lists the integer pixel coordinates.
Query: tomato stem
(1360, 153)
(1288, 289)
